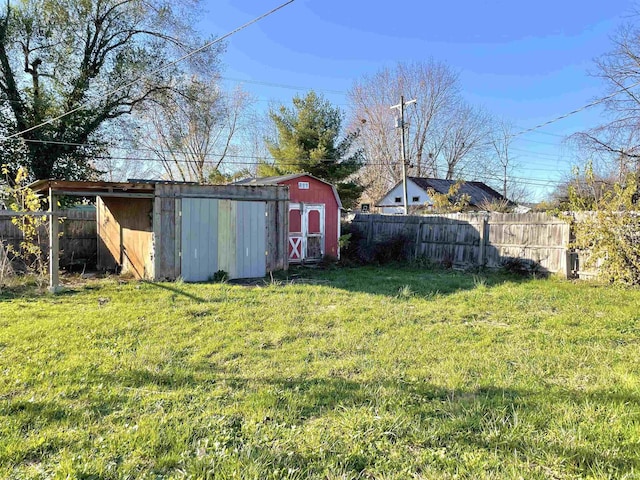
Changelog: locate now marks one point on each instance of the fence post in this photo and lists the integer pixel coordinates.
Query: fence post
(483, 241)
(418, 240)
(54, 243)
(567, 251)
(370, 230)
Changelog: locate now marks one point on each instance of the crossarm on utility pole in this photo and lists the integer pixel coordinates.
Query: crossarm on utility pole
(405, 194)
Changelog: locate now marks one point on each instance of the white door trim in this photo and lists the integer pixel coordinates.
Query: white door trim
(300, 239)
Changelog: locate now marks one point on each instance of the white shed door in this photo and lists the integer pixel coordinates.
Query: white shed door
(306, 232)
(199, 239)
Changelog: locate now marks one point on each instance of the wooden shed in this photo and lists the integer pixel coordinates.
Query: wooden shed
(158, 230)
(314, 215)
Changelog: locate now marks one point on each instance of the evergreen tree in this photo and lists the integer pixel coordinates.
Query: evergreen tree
(309, 141)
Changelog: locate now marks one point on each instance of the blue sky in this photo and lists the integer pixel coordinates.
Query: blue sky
(528, 62)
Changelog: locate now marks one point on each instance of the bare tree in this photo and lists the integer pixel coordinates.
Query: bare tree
(616, 143)
(501, 143)
(193, 134)
(443, 132)
(463, 141)
(500, 165)
(129, 165)
(258, 128)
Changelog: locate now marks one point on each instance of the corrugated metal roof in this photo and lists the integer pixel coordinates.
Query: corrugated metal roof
(272, 180)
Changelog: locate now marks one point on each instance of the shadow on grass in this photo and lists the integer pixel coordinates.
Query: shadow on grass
(33, 292)
(178, 291)
(390, 280)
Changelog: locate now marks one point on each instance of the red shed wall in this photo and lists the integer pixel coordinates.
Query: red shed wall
(319, 192)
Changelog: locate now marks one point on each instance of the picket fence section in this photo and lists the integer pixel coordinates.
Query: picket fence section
(78, 243)
(466, 240)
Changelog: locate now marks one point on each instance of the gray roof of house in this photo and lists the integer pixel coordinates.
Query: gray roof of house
(478, 192)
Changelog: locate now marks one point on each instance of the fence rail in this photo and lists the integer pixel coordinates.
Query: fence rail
(475, 239)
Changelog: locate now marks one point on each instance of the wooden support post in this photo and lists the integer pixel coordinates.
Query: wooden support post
(156, 236)
(54, 244)
(482, 256)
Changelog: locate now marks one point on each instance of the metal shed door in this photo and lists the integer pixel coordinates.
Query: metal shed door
(199, 239)
(251, 240)
(223, 235)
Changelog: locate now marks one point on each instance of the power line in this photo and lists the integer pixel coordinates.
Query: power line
(540, 155)
(282, 85)
(533, 154)
(577, 110)
(487, 177)
(234, 161)
(529, 140)
(237, 160)
(153, 72)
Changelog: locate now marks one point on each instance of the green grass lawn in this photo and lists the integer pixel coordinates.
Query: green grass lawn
(355, 373)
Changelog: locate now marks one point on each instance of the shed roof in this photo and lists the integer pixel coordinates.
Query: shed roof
(285, 178)
(150, 188)
(90, 189)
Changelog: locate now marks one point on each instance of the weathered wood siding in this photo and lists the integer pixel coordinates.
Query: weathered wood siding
(125, 235)
(78, 243)
(475, 239)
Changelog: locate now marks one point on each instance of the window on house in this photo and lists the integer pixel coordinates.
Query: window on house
(303, 185)
(415, 199)
(398, 200)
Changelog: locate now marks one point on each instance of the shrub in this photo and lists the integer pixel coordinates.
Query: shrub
(22, 199)
(610, 233)
(450, 202)
(220, 276)
(522, 266)
(355, 249)
(394, 249)
(351, 246)
(496, 205)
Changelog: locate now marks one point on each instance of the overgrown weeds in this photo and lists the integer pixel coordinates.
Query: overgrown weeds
(6, 269)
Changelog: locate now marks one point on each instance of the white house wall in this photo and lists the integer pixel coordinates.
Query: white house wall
(388, 204)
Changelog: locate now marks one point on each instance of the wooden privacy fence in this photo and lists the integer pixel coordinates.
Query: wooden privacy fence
(475, 239)
(78, 243)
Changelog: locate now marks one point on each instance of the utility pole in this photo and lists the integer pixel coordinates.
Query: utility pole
(400, 125)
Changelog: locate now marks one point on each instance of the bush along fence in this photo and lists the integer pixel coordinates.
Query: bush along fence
(531, 241)
(78, 243)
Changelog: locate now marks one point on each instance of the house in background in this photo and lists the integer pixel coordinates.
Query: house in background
(314, 215)
(418, 188)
